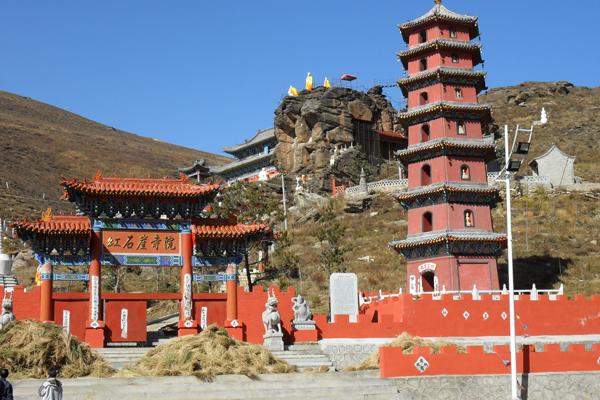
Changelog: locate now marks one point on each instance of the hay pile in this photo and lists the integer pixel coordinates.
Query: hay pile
(408, 343)
(30, 348)
(212, 352)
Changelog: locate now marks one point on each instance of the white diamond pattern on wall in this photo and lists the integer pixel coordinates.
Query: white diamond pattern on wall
(421, 364)
(485, 316)
(444, 312)
(598, 360)
(503, 315)
(466, 315)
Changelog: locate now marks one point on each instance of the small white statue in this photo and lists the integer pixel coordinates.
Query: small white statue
(270, 317)
(298, 184)
(7, 315)
(301, 310)
(263, 175)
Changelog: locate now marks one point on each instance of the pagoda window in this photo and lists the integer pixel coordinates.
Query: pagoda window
(423, 98)
(427, 225)
(469, 220)
(455, 58)
(425, 132)
(461, 128)
(266, 149)
(423, 64)
(465, 173)
(458, 92)
(423, 36)
(426, 175)
(453, 33)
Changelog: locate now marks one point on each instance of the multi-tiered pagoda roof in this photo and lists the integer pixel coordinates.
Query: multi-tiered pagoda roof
(439, 13)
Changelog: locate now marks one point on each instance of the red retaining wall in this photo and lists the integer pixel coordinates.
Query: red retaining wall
(446, 317)
(475, 362)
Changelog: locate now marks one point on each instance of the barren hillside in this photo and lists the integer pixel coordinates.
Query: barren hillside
(40, 143)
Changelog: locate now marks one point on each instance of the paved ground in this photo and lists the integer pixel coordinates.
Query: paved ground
(330, 386)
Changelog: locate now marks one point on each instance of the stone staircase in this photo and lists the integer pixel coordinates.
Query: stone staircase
(297, 386)
(119, 357)
(305, 356)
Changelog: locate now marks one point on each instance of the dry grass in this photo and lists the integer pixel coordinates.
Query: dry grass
(408, 343)
(30, 348)
(213, 352)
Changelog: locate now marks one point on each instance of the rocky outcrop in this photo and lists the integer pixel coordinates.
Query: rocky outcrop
(311, 126)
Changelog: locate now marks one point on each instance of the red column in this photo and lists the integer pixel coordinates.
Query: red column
(46, 304)
(94, 330)
(187, 324)
(232, 324)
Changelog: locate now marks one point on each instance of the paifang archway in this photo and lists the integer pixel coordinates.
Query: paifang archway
(136, 222)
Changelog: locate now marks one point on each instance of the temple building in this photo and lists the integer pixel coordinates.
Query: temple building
(124, 222)
(451, 244)
(254, 159)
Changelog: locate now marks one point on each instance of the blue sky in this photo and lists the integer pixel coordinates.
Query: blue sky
(207, 74)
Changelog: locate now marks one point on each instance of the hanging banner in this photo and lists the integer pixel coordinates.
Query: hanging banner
(204, 317)
(124, 315)
(187, 297)
(95, 294)
(66, 321)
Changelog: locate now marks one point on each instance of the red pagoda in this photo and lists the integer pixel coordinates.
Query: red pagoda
(451, 244)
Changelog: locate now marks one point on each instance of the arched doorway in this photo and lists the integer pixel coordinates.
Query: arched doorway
(428, 281)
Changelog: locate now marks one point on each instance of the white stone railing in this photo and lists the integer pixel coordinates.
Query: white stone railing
(492, 177)
(475, 294)
(535, 180)
(385, 185)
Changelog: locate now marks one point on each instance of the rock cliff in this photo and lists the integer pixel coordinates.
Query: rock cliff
(310, 127)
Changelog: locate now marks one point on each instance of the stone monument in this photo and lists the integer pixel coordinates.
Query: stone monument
(273, 337)
(343, 295)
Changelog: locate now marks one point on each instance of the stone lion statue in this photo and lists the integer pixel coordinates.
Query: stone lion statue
(270, 317)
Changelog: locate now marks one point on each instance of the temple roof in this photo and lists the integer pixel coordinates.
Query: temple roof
(445, 106)
(100, 185)
(241, 163)
(204, 228)
(56, 225)
(222, 229)
(198, 165)
(427, 238)
(438, 44)
(260, 137)
(444, 73)
(440, 13)
(455, 146)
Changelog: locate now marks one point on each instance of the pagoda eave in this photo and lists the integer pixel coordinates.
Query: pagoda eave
(471, 22)
(474, 111)
(449, 193)
(441, 44)
(449, 76)
(446, 147)
(448, 243)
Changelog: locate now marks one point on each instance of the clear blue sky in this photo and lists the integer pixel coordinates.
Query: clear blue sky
(207, 74)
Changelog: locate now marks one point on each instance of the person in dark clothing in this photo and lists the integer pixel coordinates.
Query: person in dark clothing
(5, 386)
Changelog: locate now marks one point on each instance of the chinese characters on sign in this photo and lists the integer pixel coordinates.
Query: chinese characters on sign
(140, 242)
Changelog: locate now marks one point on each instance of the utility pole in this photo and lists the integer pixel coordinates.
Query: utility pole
(509, 167)
(511, 283)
